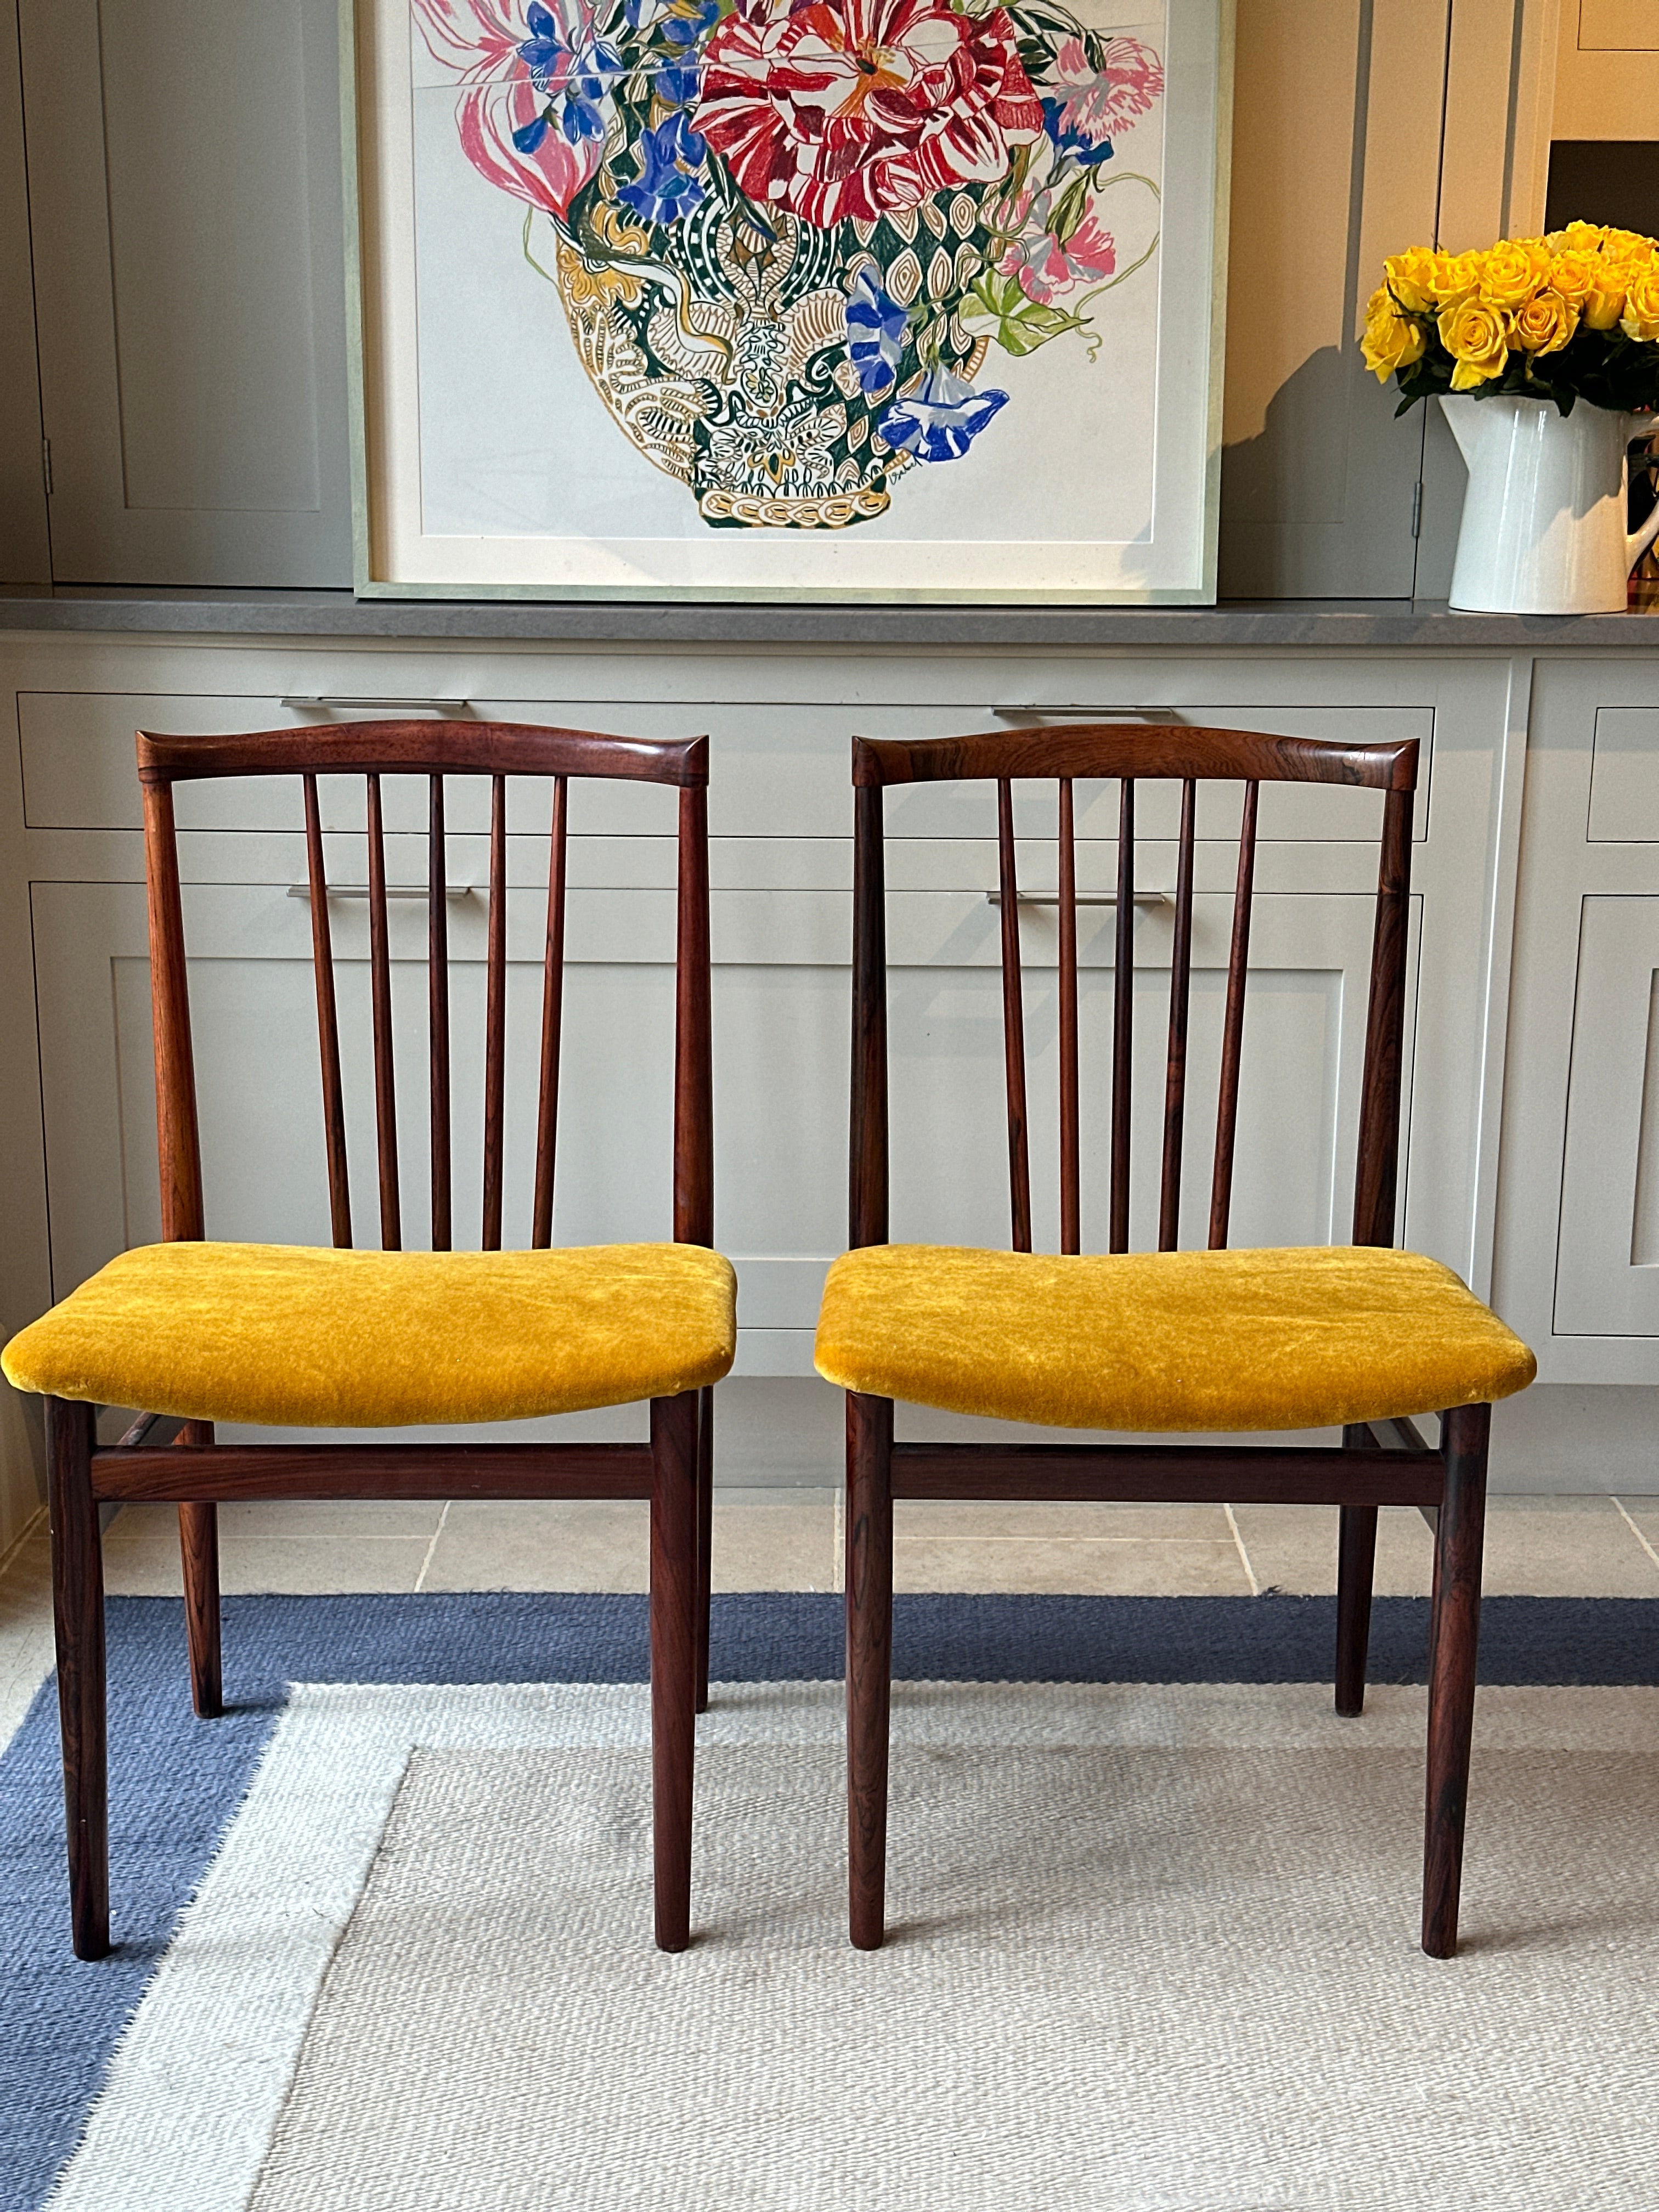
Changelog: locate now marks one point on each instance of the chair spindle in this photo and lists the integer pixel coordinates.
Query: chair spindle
(1378, 1171)
(1232, 1033)
(1013, 1023)
(379, 962)
(868, 1177)
(1071, 1230)
(1123, 1017)
(547, 1102)
(694, 1084)
(328, 1024)
(438, 976)
(1181, 985)
(176, 1130)
(496, 1017)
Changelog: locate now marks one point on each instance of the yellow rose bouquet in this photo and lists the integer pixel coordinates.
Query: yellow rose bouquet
(1572, 316)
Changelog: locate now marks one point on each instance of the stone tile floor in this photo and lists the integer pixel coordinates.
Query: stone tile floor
(784, 1539)
(779, 1538)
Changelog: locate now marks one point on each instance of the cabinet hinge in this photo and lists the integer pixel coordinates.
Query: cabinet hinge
(46, 462)
(1417, 508)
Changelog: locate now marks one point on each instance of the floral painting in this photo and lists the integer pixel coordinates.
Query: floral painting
(804, 246)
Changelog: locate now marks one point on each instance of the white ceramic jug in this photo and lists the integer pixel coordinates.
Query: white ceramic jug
(1544, 517)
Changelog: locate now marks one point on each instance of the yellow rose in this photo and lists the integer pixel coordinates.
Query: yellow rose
(1626, 244)
(1454, 277)
(1641, 317)
(1605, 302)
(1573, 274)
(1545, 324)
(1477, 337)
(1577, 238)
(1509, 274)
(1411, 277)
(1628, 260)
(1623, 266)
(1391, 341)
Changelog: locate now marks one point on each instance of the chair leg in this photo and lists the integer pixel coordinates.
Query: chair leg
(705, 1537)
(78, 1592)
(869, 1659)
(1355, 1567)
(674, 1432)
(1454, 1630)
(199, 1549)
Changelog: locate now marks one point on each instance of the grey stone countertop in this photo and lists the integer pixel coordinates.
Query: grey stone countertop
(1369, 623)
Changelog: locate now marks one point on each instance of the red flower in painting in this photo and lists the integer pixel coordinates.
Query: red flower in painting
(853, 107)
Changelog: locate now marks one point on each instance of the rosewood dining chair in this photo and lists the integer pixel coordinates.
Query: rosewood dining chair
(291, 1336)
(1360, 1338)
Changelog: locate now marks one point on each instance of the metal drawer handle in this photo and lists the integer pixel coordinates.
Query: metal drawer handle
(1084, 898)
(392, 891)
(345, 699)
(1096, 714)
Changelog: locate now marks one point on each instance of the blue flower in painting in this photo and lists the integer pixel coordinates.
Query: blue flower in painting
(542, 52)
(668, 186)
(876, 328)
(940, 420)
(591, 81)
(1088, 152)
(530, 135)
(677, 86)
(640, 15)
(689, 20)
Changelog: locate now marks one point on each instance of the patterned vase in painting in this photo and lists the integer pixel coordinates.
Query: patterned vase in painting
(727, 365)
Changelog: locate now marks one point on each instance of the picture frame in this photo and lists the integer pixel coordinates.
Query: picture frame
(598, 353)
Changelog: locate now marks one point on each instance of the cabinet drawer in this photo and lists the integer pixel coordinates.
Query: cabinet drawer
(778, 768)
(1624, 803)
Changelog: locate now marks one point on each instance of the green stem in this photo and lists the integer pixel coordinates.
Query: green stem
(1130, 177)
(529, 221)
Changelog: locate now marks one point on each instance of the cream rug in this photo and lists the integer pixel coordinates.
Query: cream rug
(1153, 1950)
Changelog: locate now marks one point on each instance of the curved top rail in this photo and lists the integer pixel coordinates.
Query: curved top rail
(1141, 750)
(426, 748)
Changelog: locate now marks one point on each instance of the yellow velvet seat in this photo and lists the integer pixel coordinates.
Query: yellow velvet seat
(1290, 1339)
(293, 1336)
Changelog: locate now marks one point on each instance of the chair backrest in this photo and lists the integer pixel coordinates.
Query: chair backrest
(435, 749)
(1130, 754)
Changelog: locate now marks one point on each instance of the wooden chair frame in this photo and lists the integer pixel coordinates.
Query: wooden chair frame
(1386, 1463)
(674, 1471)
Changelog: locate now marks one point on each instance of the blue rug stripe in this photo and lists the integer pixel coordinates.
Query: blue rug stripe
(529, 1636)
(796, 1637)
(175, 1785)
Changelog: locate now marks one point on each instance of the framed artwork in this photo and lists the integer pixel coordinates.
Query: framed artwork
(883, 300)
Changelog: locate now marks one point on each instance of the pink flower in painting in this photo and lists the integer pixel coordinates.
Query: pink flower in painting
(516, 64)
(1100, 103)
(1043, 267)
(851, 107)
(472, 37)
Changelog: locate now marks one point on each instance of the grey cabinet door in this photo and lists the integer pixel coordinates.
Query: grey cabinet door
(184, 167)
(1606, 1276)
(23, 556)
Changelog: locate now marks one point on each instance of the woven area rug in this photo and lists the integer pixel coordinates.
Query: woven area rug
(1153, 1942)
